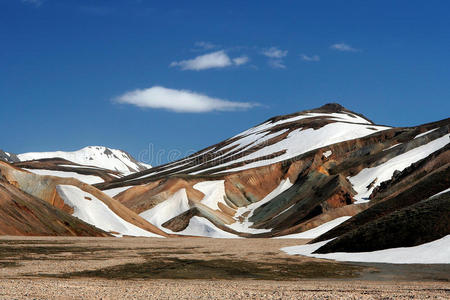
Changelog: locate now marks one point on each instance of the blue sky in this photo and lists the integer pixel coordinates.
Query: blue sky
(187, 74)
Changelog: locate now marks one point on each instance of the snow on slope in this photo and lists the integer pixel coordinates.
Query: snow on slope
(199, 226)
(340, 117)
(428, 253)
(262, 140)
(8, 157)
(97, 156)
(116, 191)
(93, 211)
(317, 231)
(425, 133)
(440, 193)
(214, 192)
(385, 171)
(245, 226)
(89, 179)
(176, 204)
(301, 141)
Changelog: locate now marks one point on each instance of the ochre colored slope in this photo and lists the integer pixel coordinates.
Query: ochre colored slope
(44, 187)
(23, 214)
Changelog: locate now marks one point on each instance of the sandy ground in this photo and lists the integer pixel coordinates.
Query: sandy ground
(199, 268)
(220, 289)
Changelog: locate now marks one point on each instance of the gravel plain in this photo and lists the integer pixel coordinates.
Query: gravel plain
(217, 289)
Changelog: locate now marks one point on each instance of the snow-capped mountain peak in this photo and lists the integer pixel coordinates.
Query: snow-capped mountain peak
(96, 156)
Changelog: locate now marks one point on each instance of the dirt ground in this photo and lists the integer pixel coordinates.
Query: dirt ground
(199, 268)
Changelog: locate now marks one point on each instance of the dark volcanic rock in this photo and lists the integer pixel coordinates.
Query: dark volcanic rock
(417, 224)
(427, 186)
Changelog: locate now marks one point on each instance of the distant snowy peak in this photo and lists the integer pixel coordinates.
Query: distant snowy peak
(96, 156)
(8, 157)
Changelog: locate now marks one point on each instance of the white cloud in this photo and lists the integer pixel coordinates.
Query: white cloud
(274, 52)
(205, 45)
(276, 56)
(240, 60)
(218, 59)
(181, 101)
(310, 58)
(343, 47)
(277, 64)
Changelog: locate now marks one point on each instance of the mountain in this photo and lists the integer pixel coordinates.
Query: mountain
(324, 174)
(278, 139)
(93, 164)
(67, 196)
(94, 156)
(24, 214)
(284, 176)
(8, 157)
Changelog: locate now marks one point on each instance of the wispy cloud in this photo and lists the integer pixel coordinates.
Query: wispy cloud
(343, 47)
(218, 59)
(277, 64)
(241, 60)
(276, 56)
(180, 101)
(274, 52)
(310, 58)
(36, 3)
(204, 45)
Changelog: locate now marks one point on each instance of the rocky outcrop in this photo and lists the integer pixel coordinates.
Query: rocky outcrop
(424, 187)
(414, 225)
(8, 157)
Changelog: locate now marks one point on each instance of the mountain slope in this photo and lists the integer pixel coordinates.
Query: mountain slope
(23, 214)
(278, 139)
(287, 175)
(94, 156)
(80, 200)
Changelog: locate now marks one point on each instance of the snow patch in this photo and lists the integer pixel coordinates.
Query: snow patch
(440, 193)
(97, 213)
(97, 156)
(425, 133)
(327, 153)
(385, 171)
(175, 205)
(214, 193)
(317, 231)
(245, 226)
(393, 146)
(435, 252)
(89, 179)
(116, 191)
(301, 141)
(199, 226)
